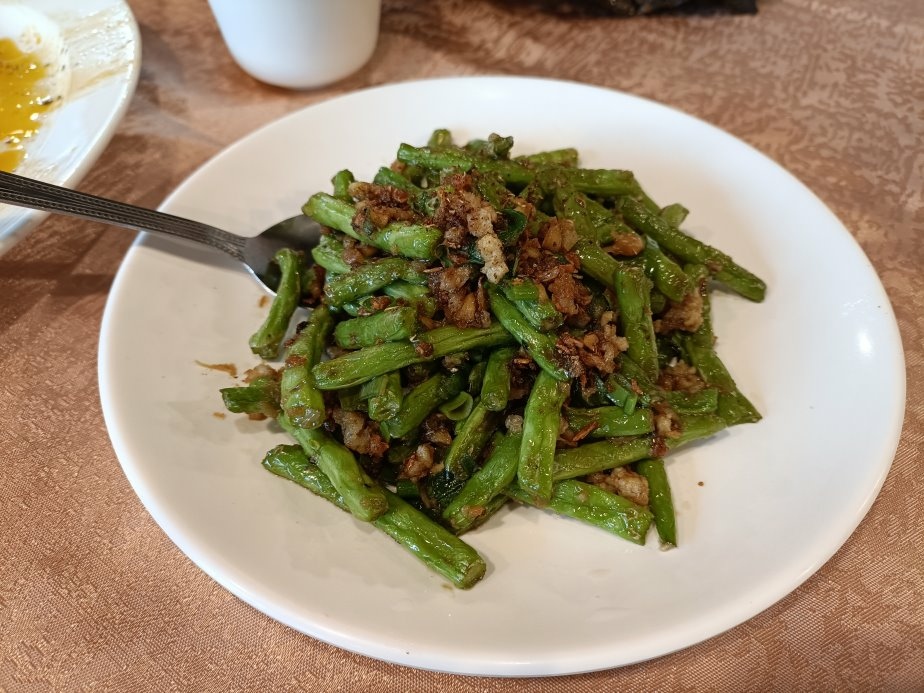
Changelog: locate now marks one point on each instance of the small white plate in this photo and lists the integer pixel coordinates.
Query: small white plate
(821, 358)
(100, 56)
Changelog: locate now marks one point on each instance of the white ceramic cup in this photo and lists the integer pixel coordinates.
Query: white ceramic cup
(299, 44)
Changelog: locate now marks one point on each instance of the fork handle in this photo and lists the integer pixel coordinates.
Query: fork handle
(27, 192)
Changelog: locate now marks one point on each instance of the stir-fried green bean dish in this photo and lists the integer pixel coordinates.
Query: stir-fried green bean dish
(488, 329)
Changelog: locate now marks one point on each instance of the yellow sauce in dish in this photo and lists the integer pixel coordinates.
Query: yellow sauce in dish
(24, 99)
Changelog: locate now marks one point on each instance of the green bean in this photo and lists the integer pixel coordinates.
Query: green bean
(521, 289)
(260, 396)
(371, 277)
(541, 315)
(601, 182)
(327, 210)
(364, 498)
(457, 408)
(438, 158)
(540, 346)
(594, 506)
(495, 385)
(540, 432)
(495, 147)
(732, 405)
(698, 350)
(688, 249)
(390, 325)
(471, 436)
(413, 295)
(386, 176)
(597, 263)
(705, 401)
(432, 544)
(619, 393)
(266, 340)
(512, 172)
(610, 421)
(341, 182)
(632, 293)
(491, 187)
(567, 157)
(533, 303)
(363, 307)
(452, 340)
(302, 402)
(636, 264)
(489, 509)
(405, 488)
(633, 377)
(441, 137)
(674, 214)
(351, 399)
(475, 376)
(415, 241)
(695, 427)
(384, 395)
(422, 201)
(568, 205)
(666, 274)
(485, 485)
(608, 226)
(328, 253)
(357, 367)
(659, 499)
(421, 401)
(598, 457)
(658, 302)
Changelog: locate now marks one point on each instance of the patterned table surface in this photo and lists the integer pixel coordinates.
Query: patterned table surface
(92, 593)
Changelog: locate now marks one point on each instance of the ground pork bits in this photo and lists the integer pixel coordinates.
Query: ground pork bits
(464, 215)
(625, 244)
(558, 234)
(686, 315)
(262, 370)
(436, 430)
(666, 421)
(356, 253)
(379, 205)
(557, 273)
(359, 433)
(623, 482)
(313, 290)
(681, 376)
(463, 305)
(599, 348)
(418, 464)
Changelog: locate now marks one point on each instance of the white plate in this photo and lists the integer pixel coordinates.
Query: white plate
(101, 57)
(821, 358)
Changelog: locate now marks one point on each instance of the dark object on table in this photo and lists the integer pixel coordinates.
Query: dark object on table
(628, 8)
